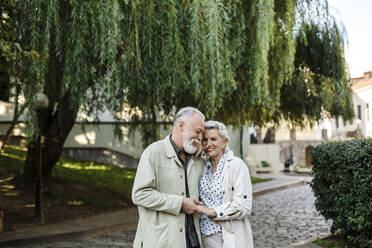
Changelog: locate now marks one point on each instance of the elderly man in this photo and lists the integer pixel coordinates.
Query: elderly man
(166, 186)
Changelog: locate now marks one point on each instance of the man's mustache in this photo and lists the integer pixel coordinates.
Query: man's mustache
(196, 141)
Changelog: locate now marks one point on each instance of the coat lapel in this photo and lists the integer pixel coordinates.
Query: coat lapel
(229, 157)
(191, 162)
(171, 153)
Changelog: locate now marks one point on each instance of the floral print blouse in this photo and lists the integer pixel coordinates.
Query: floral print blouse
(210, 193)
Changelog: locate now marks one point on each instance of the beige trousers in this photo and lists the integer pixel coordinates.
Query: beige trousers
(213, 241)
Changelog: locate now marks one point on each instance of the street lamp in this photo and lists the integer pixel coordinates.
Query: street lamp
(40, 102)
(289, 161)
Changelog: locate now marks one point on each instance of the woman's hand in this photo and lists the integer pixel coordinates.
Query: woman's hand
(207, 211)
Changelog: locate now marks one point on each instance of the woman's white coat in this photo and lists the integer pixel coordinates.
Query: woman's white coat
(236, 204)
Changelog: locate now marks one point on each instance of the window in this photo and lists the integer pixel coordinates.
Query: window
(337, 122)
(359, 112)
(367, 112)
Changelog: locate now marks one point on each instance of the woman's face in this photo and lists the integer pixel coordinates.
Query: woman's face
(213, 143)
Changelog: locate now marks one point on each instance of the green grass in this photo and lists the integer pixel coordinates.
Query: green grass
(259, 180)
(326, 243)
(333, 242)
(12, 159)
(116, 179)
(95, 175)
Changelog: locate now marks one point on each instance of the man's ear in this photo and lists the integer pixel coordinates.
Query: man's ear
(180, 125)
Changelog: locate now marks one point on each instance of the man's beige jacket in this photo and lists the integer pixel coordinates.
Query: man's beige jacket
(158, 190)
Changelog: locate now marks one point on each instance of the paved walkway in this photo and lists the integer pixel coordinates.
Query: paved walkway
(289, 218)
(286, 218)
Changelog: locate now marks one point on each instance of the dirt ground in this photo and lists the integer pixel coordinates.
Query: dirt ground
(61, 201)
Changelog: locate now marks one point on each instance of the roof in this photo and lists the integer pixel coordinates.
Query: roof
(362, 82)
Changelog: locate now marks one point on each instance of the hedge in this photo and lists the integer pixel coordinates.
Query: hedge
(342, 185)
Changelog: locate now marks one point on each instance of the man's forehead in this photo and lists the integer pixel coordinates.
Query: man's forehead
(199, 121)
(195, 118)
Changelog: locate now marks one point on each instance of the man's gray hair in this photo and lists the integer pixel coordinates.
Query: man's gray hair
(220, 127)
(185, 113)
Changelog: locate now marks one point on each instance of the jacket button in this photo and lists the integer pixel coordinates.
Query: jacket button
(245, 197)
(181, 230)
(221, 214)
(181, 176)
(182, 193)
(232, 188)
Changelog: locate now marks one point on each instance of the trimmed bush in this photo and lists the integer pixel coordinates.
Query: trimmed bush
(342, 185)
(265, 164)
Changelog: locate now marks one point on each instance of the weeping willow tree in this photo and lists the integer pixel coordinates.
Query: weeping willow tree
(12, 57)
(235, 60)
(238, 61)
(319, 85)
(78, 45)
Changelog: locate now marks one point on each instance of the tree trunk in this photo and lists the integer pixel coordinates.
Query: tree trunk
(55, 123)
(54, 129)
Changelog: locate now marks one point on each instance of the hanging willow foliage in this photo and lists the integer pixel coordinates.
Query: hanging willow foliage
(319, 84)
(237, 61)
(78, 46)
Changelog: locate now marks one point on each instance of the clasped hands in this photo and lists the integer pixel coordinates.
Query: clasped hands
(190, 206)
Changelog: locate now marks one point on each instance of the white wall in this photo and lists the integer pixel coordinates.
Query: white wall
(365, 94)
(339, 131)
(264, 152)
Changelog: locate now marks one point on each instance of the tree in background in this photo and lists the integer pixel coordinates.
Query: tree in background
(238, 61)
(12, 58)
(319, 84)
(78, 43)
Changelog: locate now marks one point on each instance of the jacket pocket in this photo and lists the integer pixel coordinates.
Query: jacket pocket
(156, 235)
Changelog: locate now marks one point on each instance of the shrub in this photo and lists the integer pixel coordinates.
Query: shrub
(265, 164)
(299, 165)
(342, 185)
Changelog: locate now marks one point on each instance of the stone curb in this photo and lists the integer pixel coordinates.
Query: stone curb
(277, 187)
(124, 220)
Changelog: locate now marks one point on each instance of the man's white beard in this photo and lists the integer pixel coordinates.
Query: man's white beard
(188, 146)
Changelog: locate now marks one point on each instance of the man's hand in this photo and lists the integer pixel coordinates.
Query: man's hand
(190, 206)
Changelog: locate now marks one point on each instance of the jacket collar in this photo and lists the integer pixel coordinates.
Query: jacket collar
(169, 150)
(229, 155)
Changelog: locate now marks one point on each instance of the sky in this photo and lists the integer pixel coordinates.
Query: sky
(356, 17)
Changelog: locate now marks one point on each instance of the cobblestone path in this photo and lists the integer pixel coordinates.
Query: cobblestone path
(286, 217)
(280, 219)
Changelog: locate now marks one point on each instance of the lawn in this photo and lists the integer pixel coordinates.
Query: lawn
(335, 241)
(78, 189)
(92, 174)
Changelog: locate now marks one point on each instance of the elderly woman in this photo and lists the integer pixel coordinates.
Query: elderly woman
(226, 192)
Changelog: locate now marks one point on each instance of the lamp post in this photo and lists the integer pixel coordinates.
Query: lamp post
(289, 161)
(40, 102)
